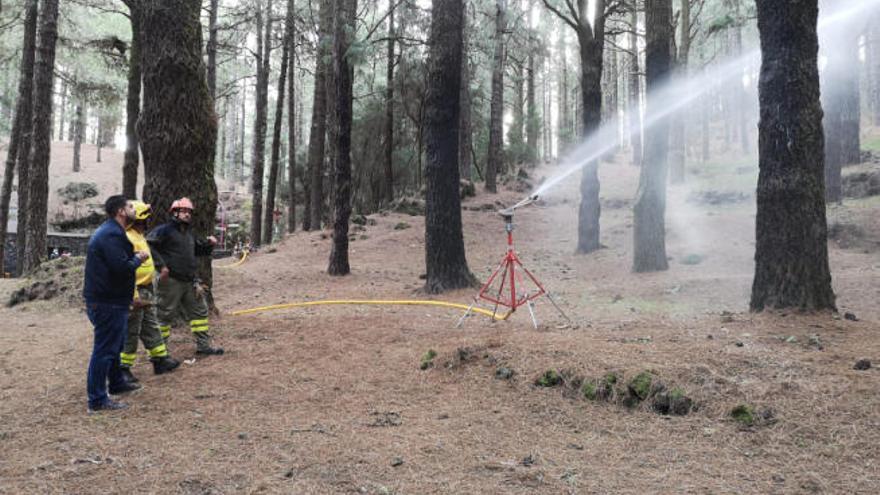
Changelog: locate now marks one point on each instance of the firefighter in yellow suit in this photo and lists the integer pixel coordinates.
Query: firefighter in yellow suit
(143, 322)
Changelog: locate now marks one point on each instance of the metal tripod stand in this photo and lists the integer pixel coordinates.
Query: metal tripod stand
(512, 290)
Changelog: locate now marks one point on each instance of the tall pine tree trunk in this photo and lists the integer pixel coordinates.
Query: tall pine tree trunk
(269, 216)
(873, 66)
(62, 109)
(591, 96)
(649, 228)
(131, 156)
(532, 118)
(635, 90)
(562, 115)
(495, 157)
(243, 129)
(389, 110)
(177, 125)
(292, 117)
(444, 242)
(791, 249)
(591, 39)
(465, 160)
(38, 187)
(677, 132)
(258, 160)
(344, 24)
(80, 126)
(19, 139)
(318, 131)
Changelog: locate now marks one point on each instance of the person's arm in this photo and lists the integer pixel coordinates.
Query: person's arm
(204, 247)
(156, 239)
(116, 248)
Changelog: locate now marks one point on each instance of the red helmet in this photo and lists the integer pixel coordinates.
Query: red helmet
(182, 203)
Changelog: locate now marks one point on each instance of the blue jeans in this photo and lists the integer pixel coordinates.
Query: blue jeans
(110, 322)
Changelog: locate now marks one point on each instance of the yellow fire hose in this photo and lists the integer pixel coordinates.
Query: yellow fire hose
(244, 256)
(444, 304)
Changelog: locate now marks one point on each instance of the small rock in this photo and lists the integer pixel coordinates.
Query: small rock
(503, 373)
(443, 416)
(850, 316)
(397, 461)
(739, 344)
(528, 460)
(289, 474)
(862, 364)
(710, 337)
(778, 478)
(242, 436)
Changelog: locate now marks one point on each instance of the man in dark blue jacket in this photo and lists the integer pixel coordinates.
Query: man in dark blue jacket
(108, 289)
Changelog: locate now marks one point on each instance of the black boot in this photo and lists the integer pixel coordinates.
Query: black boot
(203, 345)
(127, 375)
(164, 364)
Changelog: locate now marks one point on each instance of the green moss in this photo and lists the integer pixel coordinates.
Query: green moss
(589, 391)
(428, 359)
(640, 386)
(677, 393)
(401, 226)
(610, 379)
(744, 414)
(550, 378)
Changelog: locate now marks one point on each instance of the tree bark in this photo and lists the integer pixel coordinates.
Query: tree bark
(444, 242)
(62, 109)
(177, 125)
(28, 57)
(791, 249)
(131, 156)
(562, 114)
(873, 66)
(677, 131)
(533, 122)
(211, 48)
(79, 126)
(292, 118)
(590, 43)
(464, 132)
(346, 11)
(243, 130)
(389, 110)
(258, 160)
(269, 217)
(495, 157)
(99, 141)
(19, 143)
(635, 112)
(649, 229)
(319, 127)
(38, 186)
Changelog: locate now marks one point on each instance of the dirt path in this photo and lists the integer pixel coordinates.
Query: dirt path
(332, 399)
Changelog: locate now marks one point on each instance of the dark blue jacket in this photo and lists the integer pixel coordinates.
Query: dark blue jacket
(110, 266)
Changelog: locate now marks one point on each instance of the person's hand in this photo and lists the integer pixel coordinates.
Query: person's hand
(163, 275)
(212, 240)
(142, 255)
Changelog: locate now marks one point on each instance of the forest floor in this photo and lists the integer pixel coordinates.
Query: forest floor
(333, 399)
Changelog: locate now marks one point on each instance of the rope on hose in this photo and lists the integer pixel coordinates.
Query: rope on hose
(496, 316)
